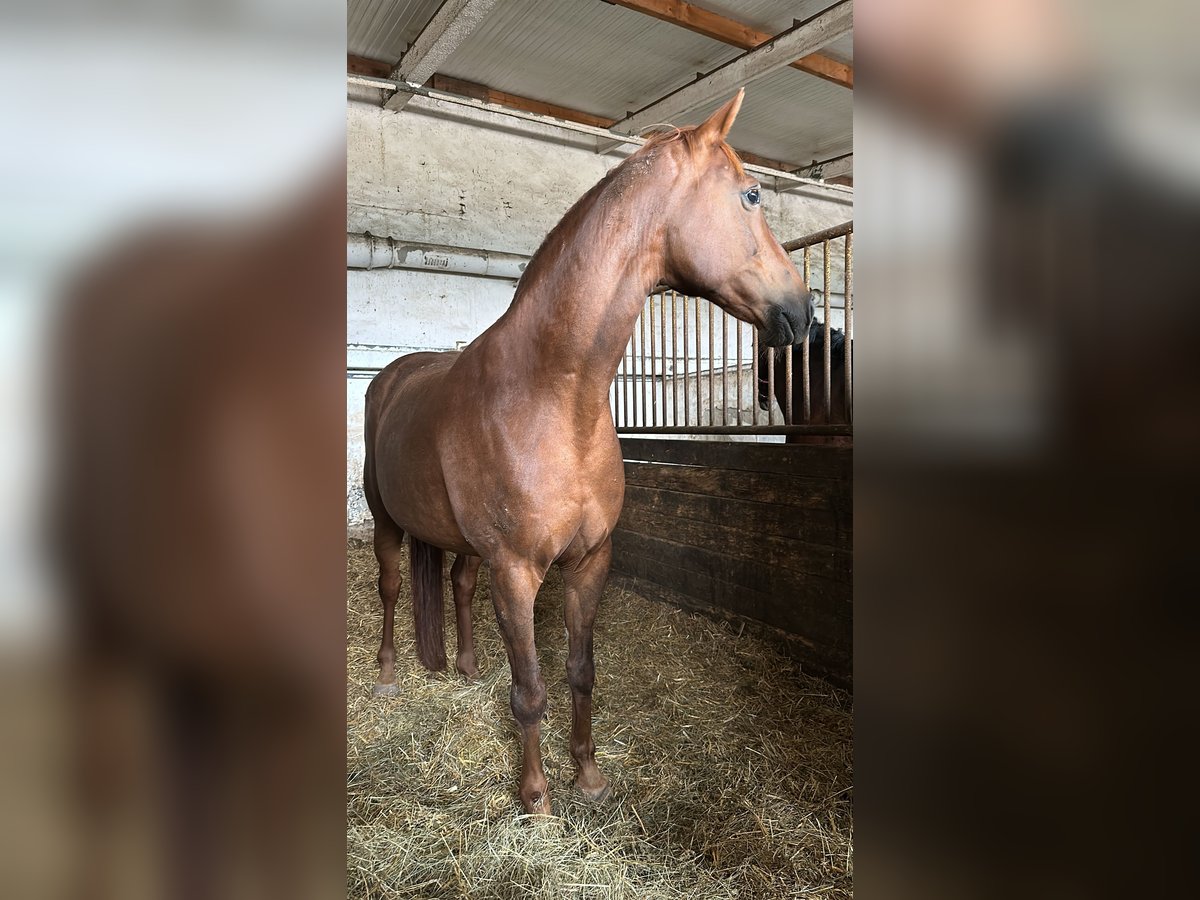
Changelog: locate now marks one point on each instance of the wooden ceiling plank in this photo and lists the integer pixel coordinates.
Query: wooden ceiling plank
(736, 34)
(723, 81)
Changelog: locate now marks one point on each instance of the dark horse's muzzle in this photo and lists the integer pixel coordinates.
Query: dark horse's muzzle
(788, 322)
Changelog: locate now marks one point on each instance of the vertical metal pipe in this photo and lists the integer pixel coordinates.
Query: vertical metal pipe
(624, 382)
(653, 368)
(737, 375)
(642, 324)
(724, 367)
(712, 361)
(789, 377)
(828, 327)
(631, 379)
(805, 382)
(662, 352)
(805, 361)
(687, 415)
(770, 385)
(699, 417)
(848, 327)
(754, 375)
(674, 363)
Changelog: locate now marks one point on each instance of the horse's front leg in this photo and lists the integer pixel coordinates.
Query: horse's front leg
(515, 585)
(584, 584)
(463, 575)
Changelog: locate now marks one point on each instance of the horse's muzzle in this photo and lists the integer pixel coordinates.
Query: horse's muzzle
(788, 322)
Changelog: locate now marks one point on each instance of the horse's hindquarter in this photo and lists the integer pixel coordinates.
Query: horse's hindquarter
(406, 417)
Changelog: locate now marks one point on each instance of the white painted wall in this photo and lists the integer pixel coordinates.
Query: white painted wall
(449, 175)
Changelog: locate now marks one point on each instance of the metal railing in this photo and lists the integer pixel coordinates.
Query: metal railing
(691, 368)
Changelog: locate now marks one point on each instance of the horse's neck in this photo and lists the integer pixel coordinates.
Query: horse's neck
(576, 307)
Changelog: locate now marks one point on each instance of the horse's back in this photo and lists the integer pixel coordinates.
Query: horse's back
(402, 384)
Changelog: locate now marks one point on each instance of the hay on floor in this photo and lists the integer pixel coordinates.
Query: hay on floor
(731, 769)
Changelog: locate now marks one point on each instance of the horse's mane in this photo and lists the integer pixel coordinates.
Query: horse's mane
(612, 188)
(670, 133)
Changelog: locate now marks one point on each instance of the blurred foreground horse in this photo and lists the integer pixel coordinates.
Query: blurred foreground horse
(198, 521)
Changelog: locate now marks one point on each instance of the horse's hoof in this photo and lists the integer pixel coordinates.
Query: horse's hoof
(539, 805)
(597, 795)
(471, 673)
(385, 690)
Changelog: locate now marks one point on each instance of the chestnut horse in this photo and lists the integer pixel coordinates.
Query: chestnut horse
(506, 451)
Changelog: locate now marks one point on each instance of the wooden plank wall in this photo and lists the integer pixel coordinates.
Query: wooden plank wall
(755, 532)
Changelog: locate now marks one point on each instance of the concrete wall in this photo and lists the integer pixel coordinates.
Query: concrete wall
(449, 175)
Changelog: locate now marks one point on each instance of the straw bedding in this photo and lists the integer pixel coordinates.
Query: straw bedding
(731, 769)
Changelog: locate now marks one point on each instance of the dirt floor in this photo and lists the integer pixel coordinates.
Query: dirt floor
(731, 769)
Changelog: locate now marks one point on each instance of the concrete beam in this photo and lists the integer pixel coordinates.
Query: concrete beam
(830, 168)
(723, 82)
(441, 36)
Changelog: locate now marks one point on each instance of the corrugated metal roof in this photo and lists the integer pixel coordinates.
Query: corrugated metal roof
(842, 49)
(772, 16)
(584, 54)
(608, 60)
(383, 29)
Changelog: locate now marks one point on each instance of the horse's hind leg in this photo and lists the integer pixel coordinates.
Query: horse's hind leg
(463, 575)
(389, 544)
(584, 584)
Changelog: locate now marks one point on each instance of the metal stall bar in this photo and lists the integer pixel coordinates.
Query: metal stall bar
(817, 237)
(642, 413)
(823, 430)
(662, 348)
(674, 365)
(698, 416)
(848, 327)
(737, 372)
(653, 368)
(724, 368)
(712, 361)
(828, 334)
(687, 416)
(642, 359)
(629, 385)
(770, 386)
(756, 375)
(805, 371)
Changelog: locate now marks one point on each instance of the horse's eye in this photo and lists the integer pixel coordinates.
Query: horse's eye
(752, 196)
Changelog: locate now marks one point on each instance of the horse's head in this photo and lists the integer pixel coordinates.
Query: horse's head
(717, 242)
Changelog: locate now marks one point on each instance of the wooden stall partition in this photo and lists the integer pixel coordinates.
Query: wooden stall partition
(759, 534)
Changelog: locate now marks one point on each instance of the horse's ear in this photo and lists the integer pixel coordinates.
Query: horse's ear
(717, 125)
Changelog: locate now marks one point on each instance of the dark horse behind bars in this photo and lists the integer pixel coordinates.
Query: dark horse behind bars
(818, 414)
(506, 451)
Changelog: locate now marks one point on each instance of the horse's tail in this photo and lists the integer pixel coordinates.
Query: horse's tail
(426, 562)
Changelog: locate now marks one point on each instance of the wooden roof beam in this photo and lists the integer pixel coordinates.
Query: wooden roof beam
(736, 34)
(723, 81)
